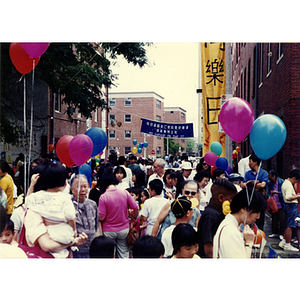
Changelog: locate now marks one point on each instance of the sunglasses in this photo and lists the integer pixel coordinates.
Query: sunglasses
(190, 192)
(204, 164)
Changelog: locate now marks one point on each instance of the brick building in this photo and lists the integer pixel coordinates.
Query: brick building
(176, 115)
(124, 121)
(60, 124)
(267, 75)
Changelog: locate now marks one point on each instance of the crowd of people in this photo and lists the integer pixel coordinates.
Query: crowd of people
(136, 208)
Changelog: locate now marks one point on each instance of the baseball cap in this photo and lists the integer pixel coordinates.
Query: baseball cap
(181, 205)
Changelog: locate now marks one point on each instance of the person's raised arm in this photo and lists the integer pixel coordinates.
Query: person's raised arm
(162, 215)
(33, 181)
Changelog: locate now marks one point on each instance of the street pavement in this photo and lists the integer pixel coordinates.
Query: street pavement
(273, 242)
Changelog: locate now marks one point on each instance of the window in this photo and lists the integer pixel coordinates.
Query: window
(280, 52)
(158, 137)
(112, 118)
(182, 115)
(57, 102)
(182, 141)
(127, 134)
(158, 150)
(127, 118)
(158, 118)
(127, 150)
(96, 115)
(127, 101)
(171, 112)
(261, 64)
(269, 59)
(112, 134)
(112, 102)
(111, 149)
(158, 104)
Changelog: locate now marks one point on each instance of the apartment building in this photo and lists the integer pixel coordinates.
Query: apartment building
(125, 119)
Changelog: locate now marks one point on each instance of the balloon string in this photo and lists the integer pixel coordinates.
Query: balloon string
(249, 200)
(24, 124)
(20, 78)
(31, 116)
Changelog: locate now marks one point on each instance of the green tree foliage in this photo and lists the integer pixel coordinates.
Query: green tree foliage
(173, 146)
(80, 72)
(190, 145)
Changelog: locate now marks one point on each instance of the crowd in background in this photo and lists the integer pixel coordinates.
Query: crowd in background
(143, 208)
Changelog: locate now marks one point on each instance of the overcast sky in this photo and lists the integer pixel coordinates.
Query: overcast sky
(172, 73)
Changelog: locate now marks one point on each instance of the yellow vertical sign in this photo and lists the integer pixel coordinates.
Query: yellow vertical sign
(213, 66)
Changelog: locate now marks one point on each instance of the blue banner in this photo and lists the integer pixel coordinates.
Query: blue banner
(168, 130)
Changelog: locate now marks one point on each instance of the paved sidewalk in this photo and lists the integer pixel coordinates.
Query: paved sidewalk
(275, 241)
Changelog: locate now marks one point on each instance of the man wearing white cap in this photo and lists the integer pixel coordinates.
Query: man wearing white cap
(186, 169)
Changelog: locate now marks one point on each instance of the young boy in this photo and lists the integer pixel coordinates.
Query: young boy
(291, 209)
(221, 190)
(185, 241)
(6, 237)
(153, 206)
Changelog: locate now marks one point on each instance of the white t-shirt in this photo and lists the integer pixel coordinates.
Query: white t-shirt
(288, 191)
(54, 207)
(123, 185)
(17, 218)
(166, 239)
(151, 210)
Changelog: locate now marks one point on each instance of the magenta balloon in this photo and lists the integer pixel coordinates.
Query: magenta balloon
(210, 158)
(236, 117)
(80, 149)
(35, 49)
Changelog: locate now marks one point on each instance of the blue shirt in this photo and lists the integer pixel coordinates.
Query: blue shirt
(262, 176)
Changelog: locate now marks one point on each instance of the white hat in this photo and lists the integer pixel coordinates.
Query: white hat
(186, 165)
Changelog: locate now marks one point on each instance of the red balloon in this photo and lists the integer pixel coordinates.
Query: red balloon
(62, 150)
(212, 169)
(20, 59)
(51, 147)
(234, 155)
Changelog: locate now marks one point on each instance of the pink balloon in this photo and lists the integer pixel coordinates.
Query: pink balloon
(35, 49)
(236, 117)
(210, 158)
(80, 149)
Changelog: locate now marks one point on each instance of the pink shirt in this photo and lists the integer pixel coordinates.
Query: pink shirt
(113, 205)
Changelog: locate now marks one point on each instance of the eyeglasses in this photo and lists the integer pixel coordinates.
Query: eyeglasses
(204, 164)
(190, 192)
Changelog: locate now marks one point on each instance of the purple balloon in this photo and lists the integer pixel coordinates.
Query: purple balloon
(236, 117)
(35, 49)
(210, 158)
(80, 149)
(228, 171)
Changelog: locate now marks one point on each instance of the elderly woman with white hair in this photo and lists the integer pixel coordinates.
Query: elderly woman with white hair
(87, 217)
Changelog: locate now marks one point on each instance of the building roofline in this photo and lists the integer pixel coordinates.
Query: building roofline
(177, 108)
(134, 94)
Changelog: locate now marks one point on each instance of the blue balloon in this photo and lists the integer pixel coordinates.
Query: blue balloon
(99, 139)
(134, 142)
(267, 136)
(86, 170)
(141, 145)
(145, 144)
(140, 150)
(222, 163)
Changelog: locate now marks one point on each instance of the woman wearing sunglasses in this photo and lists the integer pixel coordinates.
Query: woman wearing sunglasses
(167, 218)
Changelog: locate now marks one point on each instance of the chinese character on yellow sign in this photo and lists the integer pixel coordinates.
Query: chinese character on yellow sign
(213, 66)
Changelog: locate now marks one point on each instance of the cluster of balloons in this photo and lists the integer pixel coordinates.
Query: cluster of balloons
(25, 56)
(235, 153)
(212, 158)
(77, 150)
(267, 133)
(139, 146)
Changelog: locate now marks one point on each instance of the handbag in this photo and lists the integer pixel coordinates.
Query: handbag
(272, 205)
(32, 252)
